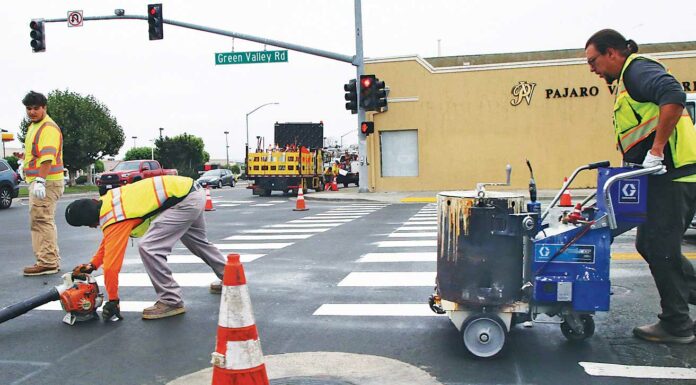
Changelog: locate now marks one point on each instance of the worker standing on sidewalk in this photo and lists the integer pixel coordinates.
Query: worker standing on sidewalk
(653, 129)
(163, 210)
(43, 170)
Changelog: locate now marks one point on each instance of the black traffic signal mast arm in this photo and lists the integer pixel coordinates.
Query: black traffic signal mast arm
(276, 43)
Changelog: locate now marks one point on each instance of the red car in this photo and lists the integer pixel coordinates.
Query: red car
(131, 171)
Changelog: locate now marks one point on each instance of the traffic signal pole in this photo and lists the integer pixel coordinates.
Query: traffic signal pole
(357, 61)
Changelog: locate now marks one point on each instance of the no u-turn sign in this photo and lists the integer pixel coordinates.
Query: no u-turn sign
(75, 19)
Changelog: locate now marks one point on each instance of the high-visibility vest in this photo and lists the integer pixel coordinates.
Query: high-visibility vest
(634, 121)
(38, 145)
(143, 199)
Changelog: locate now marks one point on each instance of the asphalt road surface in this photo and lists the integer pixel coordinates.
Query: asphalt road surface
(351, 277)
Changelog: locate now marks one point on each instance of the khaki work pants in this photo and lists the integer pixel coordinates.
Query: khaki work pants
(42, 221)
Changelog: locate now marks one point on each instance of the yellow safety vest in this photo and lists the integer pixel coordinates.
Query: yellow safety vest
(143, 199)
(44, 141)
(634, 121)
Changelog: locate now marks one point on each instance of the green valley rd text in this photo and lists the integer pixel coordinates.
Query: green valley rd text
(251, 57)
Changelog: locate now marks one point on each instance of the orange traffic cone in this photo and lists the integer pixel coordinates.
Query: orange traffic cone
(566, 200)
(334, 185)
(208, 200)
(300, 206)
(237, 358)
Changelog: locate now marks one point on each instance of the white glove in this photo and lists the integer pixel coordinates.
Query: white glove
(654, 160)
(39, 187)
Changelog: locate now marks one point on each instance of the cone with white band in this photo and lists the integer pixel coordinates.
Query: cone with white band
(208, 200)
(237, 358)
(300, 203)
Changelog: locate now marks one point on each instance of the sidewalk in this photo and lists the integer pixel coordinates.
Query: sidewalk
(351, 194)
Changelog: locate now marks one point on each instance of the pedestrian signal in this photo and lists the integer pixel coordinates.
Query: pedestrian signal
(367, 128)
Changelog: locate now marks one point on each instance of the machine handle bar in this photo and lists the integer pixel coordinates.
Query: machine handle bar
(590, 166)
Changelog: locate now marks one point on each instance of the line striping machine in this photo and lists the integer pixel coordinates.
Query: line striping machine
(499, 264)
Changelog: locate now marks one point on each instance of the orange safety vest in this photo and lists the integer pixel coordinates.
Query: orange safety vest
(33, 154)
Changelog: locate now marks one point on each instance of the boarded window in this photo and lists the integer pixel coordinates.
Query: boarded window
(399, 153)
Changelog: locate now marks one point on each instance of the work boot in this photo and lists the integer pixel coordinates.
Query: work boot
(216, 287)
(656, 333)
(162, 310)
(40, 270)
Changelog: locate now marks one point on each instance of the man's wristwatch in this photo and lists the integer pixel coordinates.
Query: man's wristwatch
(41, 180)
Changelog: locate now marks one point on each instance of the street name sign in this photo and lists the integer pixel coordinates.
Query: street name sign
(252, 57)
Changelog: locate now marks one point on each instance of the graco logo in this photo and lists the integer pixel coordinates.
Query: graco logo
(522, 90)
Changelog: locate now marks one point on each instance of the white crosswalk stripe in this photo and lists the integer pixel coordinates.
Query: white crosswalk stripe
(267, 237)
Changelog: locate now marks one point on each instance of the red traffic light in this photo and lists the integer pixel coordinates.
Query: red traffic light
(366, 82)
(367, 128)
(153, 11)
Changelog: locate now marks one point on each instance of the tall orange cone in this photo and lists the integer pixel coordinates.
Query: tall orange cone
(208, 200)
(300, 205)
(237, 359)
(334, 185)
(566, 199)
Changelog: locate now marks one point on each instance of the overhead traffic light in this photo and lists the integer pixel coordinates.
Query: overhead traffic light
(154, 21)
(38, 38)
(381, 95)
(368, 92)
(351, 96)
(367, 128)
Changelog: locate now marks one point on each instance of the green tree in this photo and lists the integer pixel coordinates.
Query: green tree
(98, 166)
(183, 152)
(13, 161)
(89, 130)
(138, 153)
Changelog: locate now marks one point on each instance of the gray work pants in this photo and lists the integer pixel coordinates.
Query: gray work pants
(182, 221)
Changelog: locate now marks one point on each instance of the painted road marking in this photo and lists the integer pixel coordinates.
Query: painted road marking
(410, 222)
(413, 235)
(263, 204)
(228, 205)
(398, 257)
(284, 231)
(320, 221)
(376, 309)
(303, 225)
(413, 228)
(422, 243)
(143, 280)
(250, 246)
(192, 259)
(266, 237)
(630, 371)
(636, 257)
(333, 216)
(389, 279)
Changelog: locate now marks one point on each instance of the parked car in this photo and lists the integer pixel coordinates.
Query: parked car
(9, 184)
(217, 178)
(131, 171)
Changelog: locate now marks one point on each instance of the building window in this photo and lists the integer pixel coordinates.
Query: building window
(399, 152)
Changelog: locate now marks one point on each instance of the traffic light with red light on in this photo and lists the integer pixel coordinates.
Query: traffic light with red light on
(367, 128)
(368, 92)
(38, 37)
(155, 21)
(351, 96)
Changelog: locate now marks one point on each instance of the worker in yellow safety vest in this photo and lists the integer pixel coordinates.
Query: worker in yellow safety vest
(43, 170)
(652, 129)
(162, 210)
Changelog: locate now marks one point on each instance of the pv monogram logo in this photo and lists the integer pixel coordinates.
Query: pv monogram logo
(521, 91)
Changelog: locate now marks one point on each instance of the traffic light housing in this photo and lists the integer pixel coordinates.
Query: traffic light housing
(155, 21)
(367, 128)
(368, 92)
(381, 95)
(351, 96)
(38, 37)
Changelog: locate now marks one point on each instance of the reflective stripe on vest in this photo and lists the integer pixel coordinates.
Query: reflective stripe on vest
(141, 199)
(32, 168)
(634, 121)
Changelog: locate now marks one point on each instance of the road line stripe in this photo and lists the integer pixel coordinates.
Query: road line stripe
(413, 228)
(191, 259)
(302, 225)
(126, 306)
(389, 279)
(420, 223)
(266, 237)
(251, 246)
(631, 371)
(377, 309)
(285, 231)
(423, 234)
(143, 280)
(422, 243)
(228, 205)
(263, 204)
(633, 256)
(320, 220)
(277, 201)
(398, 257)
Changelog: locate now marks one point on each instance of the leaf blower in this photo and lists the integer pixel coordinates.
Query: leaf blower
(78, 294)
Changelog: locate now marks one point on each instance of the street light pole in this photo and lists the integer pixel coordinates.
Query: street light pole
(134, 138)
(246, 159)
(161, 129)
(4, 155)
(349, 132)
(227, 149)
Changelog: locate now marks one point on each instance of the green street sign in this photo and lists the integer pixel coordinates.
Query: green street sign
(252, 57)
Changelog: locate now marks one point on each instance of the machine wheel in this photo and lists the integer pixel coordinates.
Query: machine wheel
(588, 326)
(484, 335)
(266, 192)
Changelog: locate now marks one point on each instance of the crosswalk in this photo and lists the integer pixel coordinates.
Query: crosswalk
(418, 235)
(251, 244)
(219, 202)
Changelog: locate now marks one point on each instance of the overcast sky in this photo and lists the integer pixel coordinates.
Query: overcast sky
(175, 84)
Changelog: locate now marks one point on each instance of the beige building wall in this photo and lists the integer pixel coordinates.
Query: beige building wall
(474, 120)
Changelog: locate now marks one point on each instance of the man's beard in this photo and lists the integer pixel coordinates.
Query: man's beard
(609, 79)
